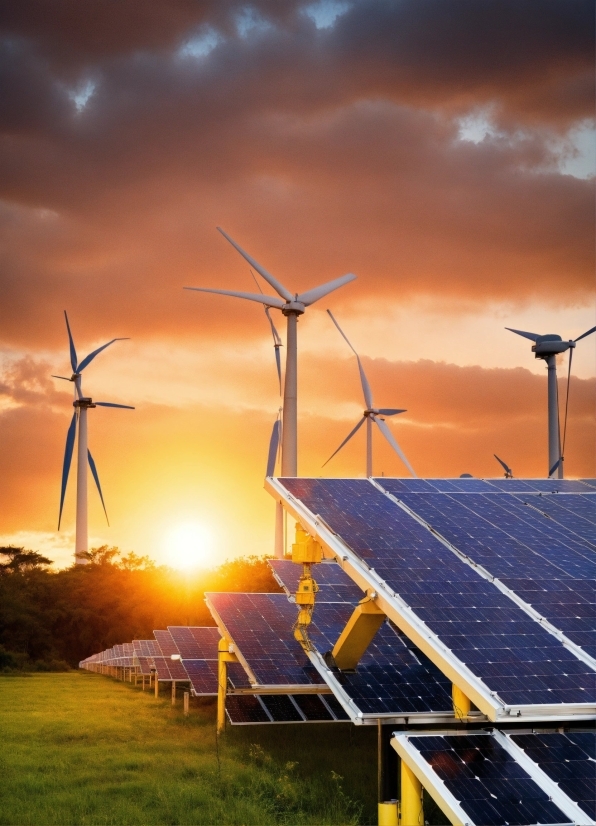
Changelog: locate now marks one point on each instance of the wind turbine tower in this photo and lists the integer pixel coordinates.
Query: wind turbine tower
(548, 347)
(81, 405)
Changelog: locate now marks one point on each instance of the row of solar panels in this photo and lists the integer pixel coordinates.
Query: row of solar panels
(195, 653)
(496, 588)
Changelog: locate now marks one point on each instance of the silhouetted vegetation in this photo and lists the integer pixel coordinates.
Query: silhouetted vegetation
(50, 620)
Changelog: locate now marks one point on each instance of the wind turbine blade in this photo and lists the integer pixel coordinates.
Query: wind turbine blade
(390, 438)
(505, 467)
(274, 333)
(310, 296)
(390, 411)
(531, 336)
(273, 446)
(73, 352)
(70, 440)
(111, 404)
(88, 359)
(267, 300)
(96, 477)
(363, 380)
(278, 363)
(347, 439)
(583, 335)
(273, 282)
(61, 377)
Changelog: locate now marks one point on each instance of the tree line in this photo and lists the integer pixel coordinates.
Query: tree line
(51, 620)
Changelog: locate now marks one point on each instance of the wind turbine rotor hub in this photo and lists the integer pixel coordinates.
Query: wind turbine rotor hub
(293, 308)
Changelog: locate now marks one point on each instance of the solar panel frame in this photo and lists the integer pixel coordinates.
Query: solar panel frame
(359, 569)
(195, 642)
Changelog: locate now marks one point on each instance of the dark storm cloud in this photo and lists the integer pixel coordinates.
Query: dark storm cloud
(324, 150)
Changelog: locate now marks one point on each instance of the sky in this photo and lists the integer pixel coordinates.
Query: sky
(441, 150)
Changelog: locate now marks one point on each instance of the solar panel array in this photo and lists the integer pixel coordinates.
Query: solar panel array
(491, 778)
(392, 677)
(334, 584)
(487, 634)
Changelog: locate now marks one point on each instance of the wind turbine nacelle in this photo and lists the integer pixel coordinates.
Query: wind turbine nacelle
(296, 307)
(550, 345)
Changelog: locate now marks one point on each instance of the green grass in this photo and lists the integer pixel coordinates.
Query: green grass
(79, 748)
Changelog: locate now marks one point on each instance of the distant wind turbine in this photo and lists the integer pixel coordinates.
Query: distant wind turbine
(506, 468)
(371, 414)
(81, 405)
(547, 347)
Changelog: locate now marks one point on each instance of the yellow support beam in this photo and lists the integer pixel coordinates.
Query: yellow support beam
(358, 634)
(225, 655)
(461, 703)
(412, 813)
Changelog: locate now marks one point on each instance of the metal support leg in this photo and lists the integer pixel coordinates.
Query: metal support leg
(387, 777)
(412, 813)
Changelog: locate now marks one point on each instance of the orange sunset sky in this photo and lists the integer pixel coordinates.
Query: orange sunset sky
(442, 150)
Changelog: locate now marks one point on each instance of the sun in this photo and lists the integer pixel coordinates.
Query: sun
(188, 545)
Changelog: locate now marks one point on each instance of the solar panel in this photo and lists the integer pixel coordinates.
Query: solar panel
(569, 759)
(577, 513)
(391, 678)
(334, 584)
(460, 618)
(245, 709)
(166, 644)
(170, 670)
(195, 643)
(517, 544)
(590, 482)
(203, 676)
(148, 648)
(281, 708)
(477, 779)
(312, 707)
(145, 665)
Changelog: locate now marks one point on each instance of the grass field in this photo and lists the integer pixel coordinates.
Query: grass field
(79, 748)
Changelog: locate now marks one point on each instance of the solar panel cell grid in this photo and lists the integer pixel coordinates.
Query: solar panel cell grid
(569, 759)
(334, 584)
(312, 708)
(487, 781)
(195, 643)
(281, 708)
(512, 541)
(202, 675)
(481, 625)
(166, 643)
(243, 709)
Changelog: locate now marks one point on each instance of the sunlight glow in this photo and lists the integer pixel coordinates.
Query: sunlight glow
(188, 546)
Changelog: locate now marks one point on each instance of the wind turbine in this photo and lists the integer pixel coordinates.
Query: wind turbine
(371, 414)
(292, 306)
(547, 347)
(81, 404)
(505, 466)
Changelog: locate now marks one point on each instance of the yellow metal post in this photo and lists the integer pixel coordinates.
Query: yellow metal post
(224, 656)
(412, 813)
(388, 814)
(156, 681)
(461, 703)
(173, 692)
(186, 702)
(360, 629)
